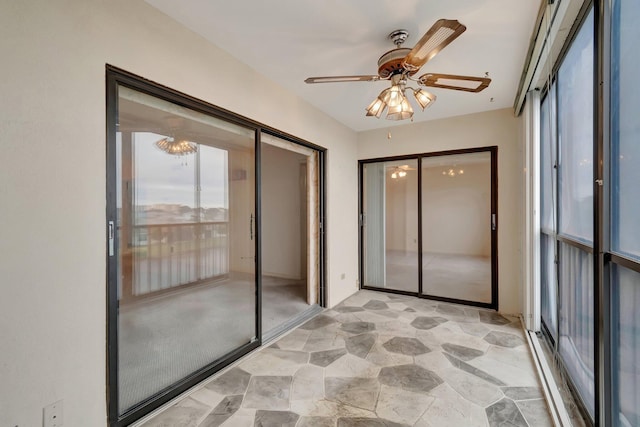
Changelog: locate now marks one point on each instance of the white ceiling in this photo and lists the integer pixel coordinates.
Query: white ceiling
(290, 40)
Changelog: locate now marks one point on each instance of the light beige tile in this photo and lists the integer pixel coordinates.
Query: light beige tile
(450, 409)
(402, 406)
(472, 388)
(351, 366)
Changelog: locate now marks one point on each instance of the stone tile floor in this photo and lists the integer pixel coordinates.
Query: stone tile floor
(378, 359)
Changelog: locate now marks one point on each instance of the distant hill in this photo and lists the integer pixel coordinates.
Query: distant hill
(177, 214)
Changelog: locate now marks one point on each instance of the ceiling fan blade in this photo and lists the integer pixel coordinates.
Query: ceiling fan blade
(443, 32)
(337, 79)
(450, 81)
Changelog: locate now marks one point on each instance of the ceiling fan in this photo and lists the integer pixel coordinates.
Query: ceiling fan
(400, 171)
(400, 64)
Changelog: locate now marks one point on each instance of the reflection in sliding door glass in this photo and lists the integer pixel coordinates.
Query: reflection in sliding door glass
(186, 257)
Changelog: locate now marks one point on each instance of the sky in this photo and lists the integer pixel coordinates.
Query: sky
(161, 178)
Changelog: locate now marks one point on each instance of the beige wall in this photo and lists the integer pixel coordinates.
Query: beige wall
(457, 210)
(401, 219)
(498, 127)
(52, 170)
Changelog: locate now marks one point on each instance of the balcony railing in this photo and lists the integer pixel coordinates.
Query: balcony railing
(158, 257)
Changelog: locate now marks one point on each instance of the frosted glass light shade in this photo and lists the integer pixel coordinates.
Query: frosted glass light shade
(392, 96)
(424, 98)
(401, 111)
(376, 108)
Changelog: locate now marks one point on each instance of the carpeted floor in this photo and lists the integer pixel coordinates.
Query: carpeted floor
(461, 277)
(167, 338)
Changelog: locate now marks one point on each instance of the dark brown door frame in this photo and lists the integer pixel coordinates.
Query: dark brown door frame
(115, 77)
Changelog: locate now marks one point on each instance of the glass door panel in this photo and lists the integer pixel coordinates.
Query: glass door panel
(456, 227)
(390, 225)
(185, 243)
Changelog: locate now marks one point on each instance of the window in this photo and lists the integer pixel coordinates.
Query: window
(548, 193)
(575, 132)
(567, 222)
(567, 251)
(625, 211)
(577, 320)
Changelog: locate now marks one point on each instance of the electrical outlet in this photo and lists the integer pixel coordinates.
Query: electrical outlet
(52, 415)
(342, 276)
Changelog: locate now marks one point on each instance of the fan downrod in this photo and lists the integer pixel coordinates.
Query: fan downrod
(398, 37)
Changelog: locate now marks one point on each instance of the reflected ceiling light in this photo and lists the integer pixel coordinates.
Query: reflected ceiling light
(394, 99)
(453, 172)
(400, 171)
(176, 147)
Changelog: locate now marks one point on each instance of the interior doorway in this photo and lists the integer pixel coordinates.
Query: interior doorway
(289, 238)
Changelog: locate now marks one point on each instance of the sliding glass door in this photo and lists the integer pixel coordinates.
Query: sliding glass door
(456, 227)
(428, 225)
(184, 241)
(198, 263)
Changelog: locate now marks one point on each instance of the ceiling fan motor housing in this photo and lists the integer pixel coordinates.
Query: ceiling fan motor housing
(390, 63)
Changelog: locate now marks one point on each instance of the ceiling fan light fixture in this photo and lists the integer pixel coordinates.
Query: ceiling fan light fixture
(176, 147)
(376, 108)
(399, 65)
(401, 111)
(402, 174)
(393, 96)
(423, 98)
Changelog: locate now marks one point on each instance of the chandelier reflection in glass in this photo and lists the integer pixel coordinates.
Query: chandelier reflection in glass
(396, 101)
(398, 173)
(453, 172)
(176, 146)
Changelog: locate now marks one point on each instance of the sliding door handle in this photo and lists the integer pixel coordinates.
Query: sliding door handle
(111, 235)
(493, 222)
(251, 227)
